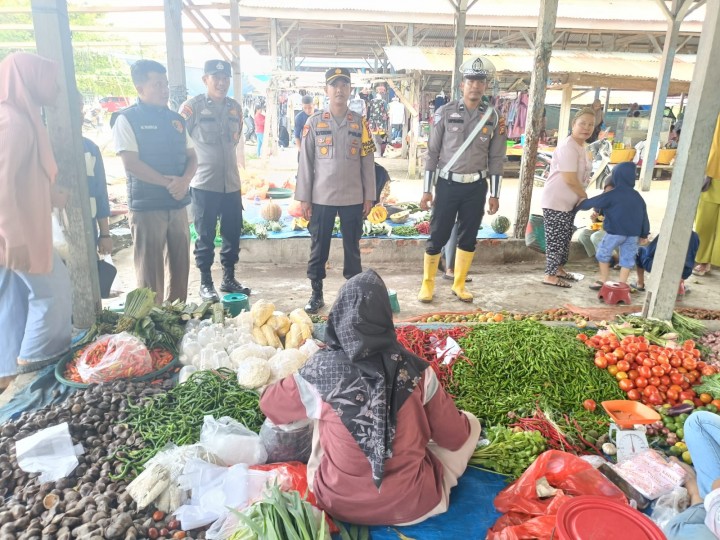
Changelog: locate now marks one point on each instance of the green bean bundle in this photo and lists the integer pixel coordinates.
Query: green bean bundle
(509, 452)
(177, 416)
(514, 366)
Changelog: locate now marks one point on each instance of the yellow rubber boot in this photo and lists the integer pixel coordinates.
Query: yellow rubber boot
(427, 288)
(463, 260)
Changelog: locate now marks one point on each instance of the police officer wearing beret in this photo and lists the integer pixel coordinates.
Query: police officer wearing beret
(214, 121)
(460, 192)
(336, 177)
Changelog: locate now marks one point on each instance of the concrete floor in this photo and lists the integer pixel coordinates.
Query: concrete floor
(506, 274)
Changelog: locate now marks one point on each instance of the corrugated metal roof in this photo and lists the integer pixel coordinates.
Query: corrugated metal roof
(601, 10)
(520, 61)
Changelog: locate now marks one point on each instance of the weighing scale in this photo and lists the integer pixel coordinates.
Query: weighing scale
(628, 431)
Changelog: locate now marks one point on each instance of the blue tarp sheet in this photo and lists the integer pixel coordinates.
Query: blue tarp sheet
(470, 515)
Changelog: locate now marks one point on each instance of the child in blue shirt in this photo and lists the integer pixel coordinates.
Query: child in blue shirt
(626, 221)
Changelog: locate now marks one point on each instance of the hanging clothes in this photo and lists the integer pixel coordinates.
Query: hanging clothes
(378, 115)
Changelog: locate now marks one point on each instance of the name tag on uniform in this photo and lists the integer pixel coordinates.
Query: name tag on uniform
(321, 125)
(455, 115)
(206, 112)
(148, 127)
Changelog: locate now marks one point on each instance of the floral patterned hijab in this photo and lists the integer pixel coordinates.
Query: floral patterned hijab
(364, 374)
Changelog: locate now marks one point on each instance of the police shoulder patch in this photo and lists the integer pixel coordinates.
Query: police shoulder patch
(186, 111)
(306, 129)
(177, 124)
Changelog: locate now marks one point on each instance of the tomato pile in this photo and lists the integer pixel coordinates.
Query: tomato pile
(649, 373)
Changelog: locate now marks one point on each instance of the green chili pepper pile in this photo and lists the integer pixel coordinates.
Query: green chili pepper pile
(509, 452)
(177, 416)
(516, 366)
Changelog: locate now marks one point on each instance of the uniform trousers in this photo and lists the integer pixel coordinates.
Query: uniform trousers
(208, 207)
(161, 238)
(456, 201)
(321, 228)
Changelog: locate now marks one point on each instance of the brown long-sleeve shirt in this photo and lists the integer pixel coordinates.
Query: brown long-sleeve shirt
(453, 123)
(337, 167)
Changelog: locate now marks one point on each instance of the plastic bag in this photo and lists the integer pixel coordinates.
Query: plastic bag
(529, 516)
(50, 452)
(535, 233)
(215, 489)
(58, 237)
(231, 441)
(115, 356)
(651, 474)
(287, 442)
(290, 476)
(670, 505)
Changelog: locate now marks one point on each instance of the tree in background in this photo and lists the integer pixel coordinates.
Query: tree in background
(97, 73)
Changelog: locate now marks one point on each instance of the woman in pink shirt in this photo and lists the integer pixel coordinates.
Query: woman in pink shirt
(259, 127)
(389, 443)
(35, 308)
(564, 189)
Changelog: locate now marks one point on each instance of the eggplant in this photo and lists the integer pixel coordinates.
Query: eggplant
(677, 410)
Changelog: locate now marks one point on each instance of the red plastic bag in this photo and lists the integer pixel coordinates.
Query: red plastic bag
(292, 475)
(526, 516)
(115, 356)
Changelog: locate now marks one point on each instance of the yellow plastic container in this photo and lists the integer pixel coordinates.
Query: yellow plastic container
(665, 156)
(621, 156)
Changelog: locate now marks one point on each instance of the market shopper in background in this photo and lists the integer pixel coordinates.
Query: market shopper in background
(259, 127)
(396, 112)
(626, 223)
(214, 121)
(336, 177)
(308, 109)
(159, 159)
(564, 188)
(389, 442)
(460, 193)
(599, 121)
(35, 288)
(707, 219)
(701, 521)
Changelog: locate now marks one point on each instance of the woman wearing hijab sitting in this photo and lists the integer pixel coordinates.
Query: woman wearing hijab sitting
(389, 443)
(35, 304)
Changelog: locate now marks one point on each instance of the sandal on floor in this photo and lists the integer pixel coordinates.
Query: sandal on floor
(635, 286)
(596, 285)
(698, 272)
(560, 284)
(452, 278)
(571, 276)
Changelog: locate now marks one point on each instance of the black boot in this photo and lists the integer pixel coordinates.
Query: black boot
(316, 300)
(230, 284)
(207, 289)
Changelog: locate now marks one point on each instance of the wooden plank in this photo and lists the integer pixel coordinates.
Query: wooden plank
(690, 162)
(536, 104)
(460, 16)
(52, 32)
(175, 53)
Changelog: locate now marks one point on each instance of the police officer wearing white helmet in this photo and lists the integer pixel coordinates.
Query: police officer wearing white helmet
(466, 153)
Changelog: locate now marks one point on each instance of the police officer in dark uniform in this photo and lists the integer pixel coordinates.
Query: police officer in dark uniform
(214, 121)
(336, 177)
(160, 161)
(462, 182)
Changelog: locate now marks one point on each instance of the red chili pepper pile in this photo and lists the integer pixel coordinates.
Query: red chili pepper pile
(554, 437)
(160, 359)
(649, 373)
(424, 343)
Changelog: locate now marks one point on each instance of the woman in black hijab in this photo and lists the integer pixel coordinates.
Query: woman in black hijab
(389, 442)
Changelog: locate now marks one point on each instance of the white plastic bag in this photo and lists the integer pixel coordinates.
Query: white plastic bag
(670, 505)
(215, 489)
(58, 235)
(651, 474)
(232, 442)
(126, 357)
(50, 452)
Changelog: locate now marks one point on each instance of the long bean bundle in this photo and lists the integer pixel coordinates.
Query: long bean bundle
(177, 416)
(515, 366)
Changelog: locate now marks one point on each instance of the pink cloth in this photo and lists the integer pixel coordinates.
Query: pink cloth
(27, 165)
(412, 484)
(569, 156)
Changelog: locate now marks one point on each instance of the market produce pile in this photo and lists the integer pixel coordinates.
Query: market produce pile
(534, 388)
